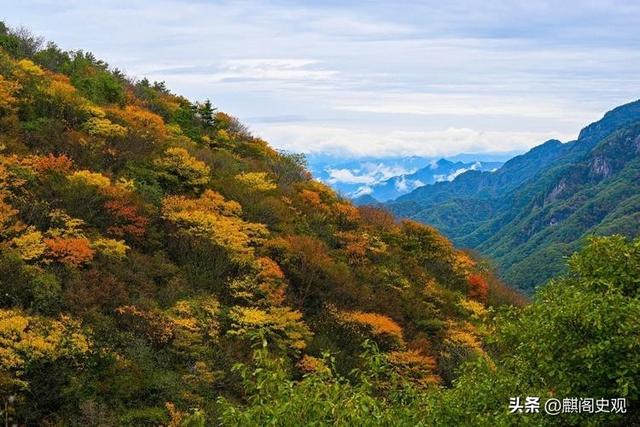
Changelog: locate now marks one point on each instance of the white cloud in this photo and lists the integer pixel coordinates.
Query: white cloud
(401, 185)
(369, 173)
(439, 104)
(460, 171)
(357, 27)
(453, 175)
(405, 185)
(346, 176)
(362, 191)
(415, 183)
(383, 172)
(370, 78)
(271, 69)
(311, 138)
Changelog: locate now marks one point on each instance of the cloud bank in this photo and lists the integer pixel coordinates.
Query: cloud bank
(370, 78)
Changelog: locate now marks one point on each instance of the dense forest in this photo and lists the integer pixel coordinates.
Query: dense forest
(159, 265)
(539, 207)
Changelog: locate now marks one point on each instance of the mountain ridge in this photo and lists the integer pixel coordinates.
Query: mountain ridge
(484, 211)
(439, 171)
(387, 178)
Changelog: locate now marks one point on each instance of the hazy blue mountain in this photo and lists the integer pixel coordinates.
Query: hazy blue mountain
(539, 206)
(351, 176)
(440, 171)
(365, 200)
(388, 178)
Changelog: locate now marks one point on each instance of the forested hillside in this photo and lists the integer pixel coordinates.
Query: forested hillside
(540, 206)
(150, 243)
(159, 265)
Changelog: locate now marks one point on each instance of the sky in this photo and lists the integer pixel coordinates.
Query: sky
(370, 78)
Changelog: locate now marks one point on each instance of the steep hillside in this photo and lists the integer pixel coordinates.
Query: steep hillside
(599, 194)
(148, 244)
(539, 206)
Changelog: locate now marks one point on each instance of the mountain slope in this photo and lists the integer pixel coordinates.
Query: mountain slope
(540, 205)
(596, 195)
(148, 244)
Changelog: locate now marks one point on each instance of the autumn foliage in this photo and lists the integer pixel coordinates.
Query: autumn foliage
(149, 244)
(126, 219)
(379, 324)
(141, 123)
(61, 164)
(478, 288)
(72, 251)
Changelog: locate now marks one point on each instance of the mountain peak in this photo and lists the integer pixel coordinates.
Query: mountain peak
(547, 145)
(365, 199)
(443, 162)
(612, 120)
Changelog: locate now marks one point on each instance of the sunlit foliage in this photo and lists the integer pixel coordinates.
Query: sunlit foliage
(280, 327)
(212, 217)
(180, 170)
(29, 343)
(142, 124)
(256, 181)
(71, 251)
(30, 244)
(110, 248)
(104, 127)
(8, 89)
(89, 178)
(376, 324)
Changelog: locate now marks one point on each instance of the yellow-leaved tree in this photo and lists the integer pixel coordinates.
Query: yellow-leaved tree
(27, 343)
(256, 181)
(280, 327)
(178, 169)
(213, 218)
(7, 90)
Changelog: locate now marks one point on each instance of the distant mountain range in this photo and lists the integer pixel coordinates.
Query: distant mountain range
(372, 180)
(539, 206)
